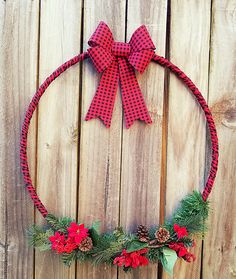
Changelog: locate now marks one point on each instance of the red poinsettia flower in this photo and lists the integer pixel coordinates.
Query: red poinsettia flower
(58, 242)
(77, 232)
(179, 248)
(122, 260)
(70, 245)
(133, 259)
(181, 231)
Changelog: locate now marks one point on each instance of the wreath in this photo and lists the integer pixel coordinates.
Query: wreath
(74, 240)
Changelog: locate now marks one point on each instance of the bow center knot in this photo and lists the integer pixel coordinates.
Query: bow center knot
(120, 49)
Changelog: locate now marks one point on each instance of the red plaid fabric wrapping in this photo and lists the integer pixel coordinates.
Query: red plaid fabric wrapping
(118, 61)
(115, 68)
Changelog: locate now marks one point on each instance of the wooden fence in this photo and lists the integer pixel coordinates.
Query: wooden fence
(84, 170)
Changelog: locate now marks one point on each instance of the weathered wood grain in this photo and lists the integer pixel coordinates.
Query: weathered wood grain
(18, 75)
(189, 49)
(60, 29)
(2, 143)
(219, 258)
(100, 148)
(116, 175)
(142, 144)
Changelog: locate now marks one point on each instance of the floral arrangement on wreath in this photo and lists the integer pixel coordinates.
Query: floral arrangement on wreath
(74, 240)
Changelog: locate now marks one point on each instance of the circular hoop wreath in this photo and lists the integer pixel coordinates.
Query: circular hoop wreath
(76, 241)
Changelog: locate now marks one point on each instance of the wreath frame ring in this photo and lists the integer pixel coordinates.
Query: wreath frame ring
(167, 242)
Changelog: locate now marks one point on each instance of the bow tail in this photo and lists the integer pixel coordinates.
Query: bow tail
(104, 99)
(132, 98)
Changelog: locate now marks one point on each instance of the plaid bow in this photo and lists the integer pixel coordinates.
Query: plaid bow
(118, 61)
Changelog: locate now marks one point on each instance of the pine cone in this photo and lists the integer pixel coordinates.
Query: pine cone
(142, 233)
(86, 244)
(162, 235)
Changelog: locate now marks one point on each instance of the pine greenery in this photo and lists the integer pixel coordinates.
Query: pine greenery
(152, 232)
(153, 255)
(192, 214)
(38, 237)
(69, 258)
(109, 245)
(59, 224)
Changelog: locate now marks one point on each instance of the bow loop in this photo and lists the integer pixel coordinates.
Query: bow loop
(141, 40)
(101, 58)
(102, 37)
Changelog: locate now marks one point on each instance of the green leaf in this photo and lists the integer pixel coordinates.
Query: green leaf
(94, 232)
(136, 245)
(96, 226)
(94, 235)
(168, 259)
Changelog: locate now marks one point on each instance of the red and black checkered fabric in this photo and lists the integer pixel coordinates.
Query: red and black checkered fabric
(118, 61)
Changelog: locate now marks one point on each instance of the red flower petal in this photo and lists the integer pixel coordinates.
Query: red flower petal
(181, 231)
(182, 252)
(77, 231)
(174, 246)
(176, 227)
(143, 260)
(133, 259)
(142, 251)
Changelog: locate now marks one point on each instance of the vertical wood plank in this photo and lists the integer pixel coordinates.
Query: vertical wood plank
(60, 28)
(100, 148)
(18, 75)
(2, 143)
(219, 247)
(189, 49)
(142, 144)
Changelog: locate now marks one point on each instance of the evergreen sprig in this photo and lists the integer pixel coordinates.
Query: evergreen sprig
(69, 258)
(153, 255)
(191, 214)
(38, 237)
(107, 246)
(59, 224)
